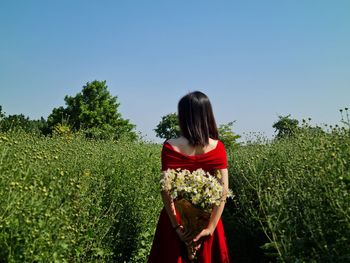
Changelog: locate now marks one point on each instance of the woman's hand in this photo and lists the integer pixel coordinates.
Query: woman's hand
(184, 236)
(204, 233)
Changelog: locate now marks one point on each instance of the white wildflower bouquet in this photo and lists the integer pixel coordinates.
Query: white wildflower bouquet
(195, 194)
(200, 188)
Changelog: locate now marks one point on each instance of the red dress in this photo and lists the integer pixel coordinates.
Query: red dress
(167, 246)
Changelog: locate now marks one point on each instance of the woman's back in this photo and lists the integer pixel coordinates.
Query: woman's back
(181, 145)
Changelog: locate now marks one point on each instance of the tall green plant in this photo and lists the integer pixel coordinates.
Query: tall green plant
(68, 199)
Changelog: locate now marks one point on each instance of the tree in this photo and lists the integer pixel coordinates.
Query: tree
(285, 126)
(92, 109)
(19, 121)
(15, 121)
(227, 136)
(2, 114)
(168, 127)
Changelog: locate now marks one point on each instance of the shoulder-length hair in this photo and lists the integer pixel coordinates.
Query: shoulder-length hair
(196, 119)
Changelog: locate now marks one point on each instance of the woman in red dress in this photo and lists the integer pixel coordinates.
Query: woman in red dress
(197, 147)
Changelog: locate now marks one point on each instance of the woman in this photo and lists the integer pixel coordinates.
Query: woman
(197, 147)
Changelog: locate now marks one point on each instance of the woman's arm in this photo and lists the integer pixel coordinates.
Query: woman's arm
(169, 206)
(171, 211)
(217, 210)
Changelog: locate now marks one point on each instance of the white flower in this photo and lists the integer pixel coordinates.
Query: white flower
(199, 187)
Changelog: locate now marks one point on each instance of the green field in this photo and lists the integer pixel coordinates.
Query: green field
(69, 199)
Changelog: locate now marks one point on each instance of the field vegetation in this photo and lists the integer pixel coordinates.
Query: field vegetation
(67, 198)
(292, 198)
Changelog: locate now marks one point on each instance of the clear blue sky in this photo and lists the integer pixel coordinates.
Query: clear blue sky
(254, 59)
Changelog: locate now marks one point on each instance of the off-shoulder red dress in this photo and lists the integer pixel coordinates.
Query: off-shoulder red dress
(167, 246)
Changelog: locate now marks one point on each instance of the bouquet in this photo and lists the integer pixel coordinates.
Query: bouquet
(195, 194)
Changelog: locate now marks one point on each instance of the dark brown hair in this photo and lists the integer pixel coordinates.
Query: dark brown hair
(196, 119)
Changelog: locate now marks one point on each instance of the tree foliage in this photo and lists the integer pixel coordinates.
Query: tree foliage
(227, 136)
(95, 111)
(2, 114)
(21, 122)
(285, 126)
(168, 127)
